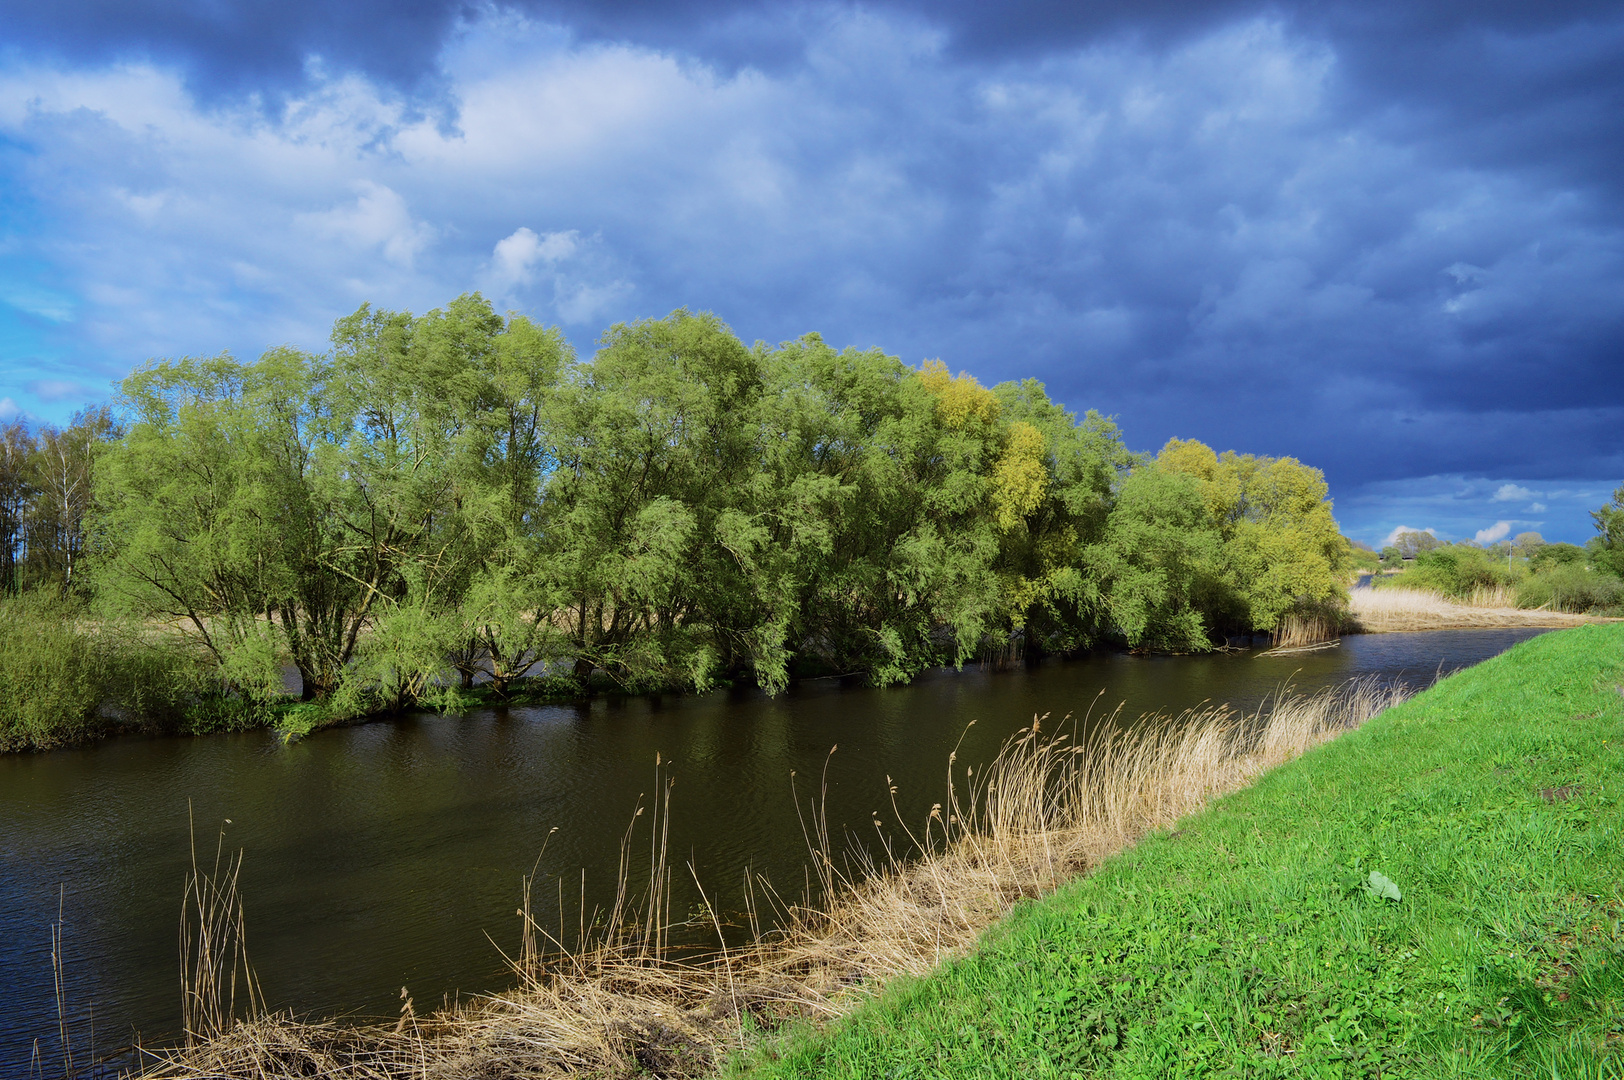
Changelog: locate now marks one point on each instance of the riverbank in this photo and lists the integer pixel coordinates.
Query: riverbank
(1436, 894)
(67, 679)
(1037, 816)
(1395, 610)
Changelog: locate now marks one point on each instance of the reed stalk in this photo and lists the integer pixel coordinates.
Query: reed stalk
(214, 949)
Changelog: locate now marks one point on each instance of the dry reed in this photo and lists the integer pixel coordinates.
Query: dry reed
(619, 1002)
(1307, 631)
(1390, 610)
(213, 949)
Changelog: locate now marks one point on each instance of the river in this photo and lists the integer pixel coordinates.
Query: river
(382, 855)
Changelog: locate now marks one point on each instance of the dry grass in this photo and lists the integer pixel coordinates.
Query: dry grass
(1046, 809)
(1380, 611)
(1307, 631)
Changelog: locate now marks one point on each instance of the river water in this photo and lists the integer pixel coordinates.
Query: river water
(391, 854)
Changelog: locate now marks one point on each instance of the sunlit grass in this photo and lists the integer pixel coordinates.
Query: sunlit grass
(1244, 942)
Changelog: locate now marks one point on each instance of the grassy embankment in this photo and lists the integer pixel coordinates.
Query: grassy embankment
(1245, 942)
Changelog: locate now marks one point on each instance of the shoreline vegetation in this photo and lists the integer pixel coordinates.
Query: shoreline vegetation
(1395, 609)
(623, 1003)
(442, 508)
(456, 497)
(1350, 883)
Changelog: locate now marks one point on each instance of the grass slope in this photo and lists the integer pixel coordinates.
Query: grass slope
(1238, 945)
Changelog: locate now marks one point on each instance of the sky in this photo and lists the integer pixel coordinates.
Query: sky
(1384, 238)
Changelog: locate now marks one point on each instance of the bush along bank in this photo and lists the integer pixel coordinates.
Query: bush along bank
(67, 677)
(1436, 894)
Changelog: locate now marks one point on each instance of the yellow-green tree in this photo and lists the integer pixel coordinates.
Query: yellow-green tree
(1283, 555)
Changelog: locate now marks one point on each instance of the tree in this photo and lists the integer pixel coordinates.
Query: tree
(1609, 540)
(1052, 596)
(16, 498)
(63, 486)
(655, 442)
(280, 508)
(1527, 544)
(1549, 555)
(1411, 542)
(510, 603)
(1160, 561)
(205, 513)
(910, 580)
(1284, 555)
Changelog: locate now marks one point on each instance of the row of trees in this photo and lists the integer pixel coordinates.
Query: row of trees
(44, 495)
(456, 494)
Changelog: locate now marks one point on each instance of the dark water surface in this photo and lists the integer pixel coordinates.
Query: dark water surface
(382, 855)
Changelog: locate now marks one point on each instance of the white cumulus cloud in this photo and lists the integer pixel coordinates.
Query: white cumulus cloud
(1513, 493)
(1498, 531)
(378, 219)
(515, 259)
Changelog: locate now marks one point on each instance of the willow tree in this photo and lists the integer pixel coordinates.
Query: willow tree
(206, 516)
(510, 608)
(1158, 563)
(1608, 544)
(1283, 554)
(894, 501)
(278, 509)
(1070, 470)
(654, 440)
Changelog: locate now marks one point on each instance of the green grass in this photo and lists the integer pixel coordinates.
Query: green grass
(1240, 944)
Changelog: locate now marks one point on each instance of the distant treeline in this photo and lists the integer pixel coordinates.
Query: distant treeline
(456, 496)
(1524, 570)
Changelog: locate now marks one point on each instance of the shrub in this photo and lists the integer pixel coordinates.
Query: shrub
(1456, 571)
(51, 673)
(1556, 555)
(1571, 587)
(66, 677)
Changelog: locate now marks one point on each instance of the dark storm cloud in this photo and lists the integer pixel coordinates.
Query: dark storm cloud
(249, 44)
(1385, 237)
(237, 48)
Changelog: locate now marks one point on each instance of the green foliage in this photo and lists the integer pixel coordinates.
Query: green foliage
(1411, 543)
(1609, 541)
(45, 492)
(1239, 944)
(1550, 555)
(452, 501)
(1373, 884)
(51, 674)
(1571, 586)
(1457, 571)
(1362, 559)
(1159, 561)
(1283, 556)
(66, 676)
